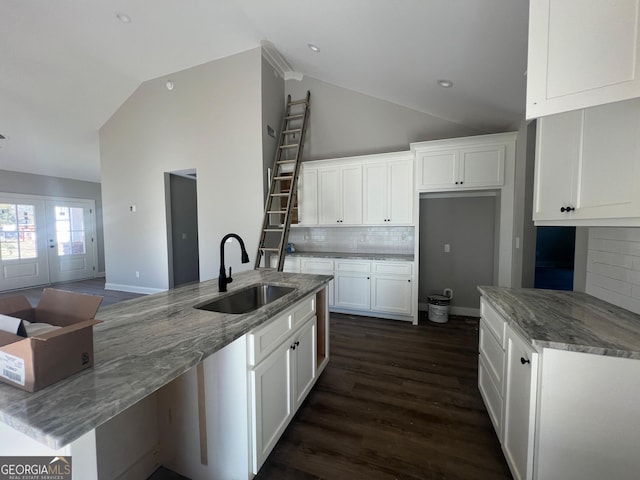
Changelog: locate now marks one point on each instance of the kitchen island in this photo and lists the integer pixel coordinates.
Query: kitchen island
(559, 373)
(142, 346)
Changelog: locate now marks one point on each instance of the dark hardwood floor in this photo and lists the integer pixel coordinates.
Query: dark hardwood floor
(94, 286)
(396, 402)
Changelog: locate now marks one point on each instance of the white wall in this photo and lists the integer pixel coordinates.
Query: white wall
(613, 266)
(210, 121)
(345, 123)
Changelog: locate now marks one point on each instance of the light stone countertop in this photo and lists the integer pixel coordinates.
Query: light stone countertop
(355, 256)
(142, 345)
(571, 321)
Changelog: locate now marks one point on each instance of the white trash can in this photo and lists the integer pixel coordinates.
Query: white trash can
(439, 308)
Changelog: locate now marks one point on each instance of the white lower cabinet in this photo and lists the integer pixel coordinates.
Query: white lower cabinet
(284, 358)
(319, 266)
(353, 290)
(559, 414)
(519, 405)
(271, 391)
(391, 294)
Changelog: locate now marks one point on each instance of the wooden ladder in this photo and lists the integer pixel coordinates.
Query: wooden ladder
(280, 205)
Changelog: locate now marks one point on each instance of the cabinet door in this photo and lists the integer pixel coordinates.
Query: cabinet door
(610, 165)
(351, 194)
(482, 166)
(352, 290)
(438, 169)
(376, 195)
(305, 361)
(391, 294)
(557, 155)
(320, 266)
(308, 196)
(581, 54)
(519, 405)
(401, 192)
(270, 384)
(329, 196)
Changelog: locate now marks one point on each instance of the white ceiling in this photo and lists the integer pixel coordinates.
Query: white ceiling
(67, 65)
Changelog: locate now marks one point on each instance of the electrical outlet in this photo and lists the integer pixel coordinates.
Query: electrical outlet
(137, 274)
(447, 248)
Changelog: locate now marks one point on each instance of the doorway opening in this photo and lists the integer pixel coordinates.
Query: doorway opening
(458, 247)
(555, 257)
(181, 194)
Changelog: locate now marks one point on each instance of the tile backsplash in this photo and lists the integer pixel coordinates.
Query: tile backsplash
(398, 240)
(613, 266)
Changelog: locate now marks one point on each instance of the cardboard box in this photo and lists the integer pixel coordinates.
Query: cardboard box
(35, 362)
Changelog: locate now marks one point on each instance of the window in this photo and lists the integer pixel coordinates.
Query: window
(17, 231)
(70, 230)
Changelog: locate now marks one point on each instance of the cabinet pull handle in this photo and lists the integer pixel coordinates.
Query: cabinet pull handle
(293, 347)
(524, 361)
(567, 209)
(297, 344)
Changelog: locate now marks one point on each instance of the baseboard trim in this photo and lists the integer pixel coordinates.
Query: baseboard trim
(453, 310)
(133, 288)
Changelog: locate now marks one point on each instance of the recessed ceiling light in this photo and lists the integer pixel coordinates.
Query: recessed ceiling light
(123, 17)
(445, 83)
(313, 48)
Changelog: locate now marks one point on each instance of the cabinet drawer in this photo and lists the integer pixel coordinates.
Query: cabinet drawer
(305, 310)
(393, 268)
(491, 395)
(352, 266)
(493, 354)
(494, 321)
(264, 340)
(317, 264)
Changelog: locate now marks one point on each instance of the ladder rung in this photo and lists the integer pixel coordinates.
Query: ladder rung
(298, 102)
(280, 212)
(291, 117)
(265, 249)
(273, 229)
(281, 194)
(283, 177)
(285, 161)
(290, 145)
(293, 130)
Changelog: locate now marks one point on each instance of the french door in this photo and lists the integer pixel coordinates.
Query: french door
(45, 240)
(70, 240)
(23, 247)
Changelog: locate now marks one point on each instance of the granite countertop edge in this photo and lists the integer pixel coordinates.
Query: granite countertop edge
(571, 321)
(160, 333)
(407, 257)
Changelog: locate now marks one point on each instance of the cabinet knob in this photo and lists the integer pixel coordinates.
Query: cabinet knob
(457, 183)
(461, 183)
(524, 360)
(293, 347)
(409, 280)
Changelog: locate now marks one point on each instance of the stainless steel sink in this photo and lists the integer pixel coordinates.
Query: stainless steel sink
(246, 300)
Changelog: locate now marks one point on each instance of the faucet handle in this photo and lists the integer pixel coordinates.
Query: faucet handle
(229, 279)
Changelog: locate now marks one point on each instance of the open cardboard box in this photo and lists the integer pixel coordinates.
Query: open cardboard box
(33, 363)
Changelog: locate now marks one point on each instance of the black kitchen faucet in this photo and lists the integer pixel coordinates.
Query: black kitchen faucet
(223, 280)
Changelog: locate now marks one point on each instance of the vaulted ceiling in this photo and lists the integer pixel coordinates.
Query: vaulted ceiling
(67, 65)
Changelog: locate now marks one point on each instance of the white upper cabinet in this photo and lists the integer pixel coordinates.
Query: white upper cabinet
(587, 166)
(468, 163)
(340, 195)
(388, 198)
(369, 190)
(308, 196)
(582, 54)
